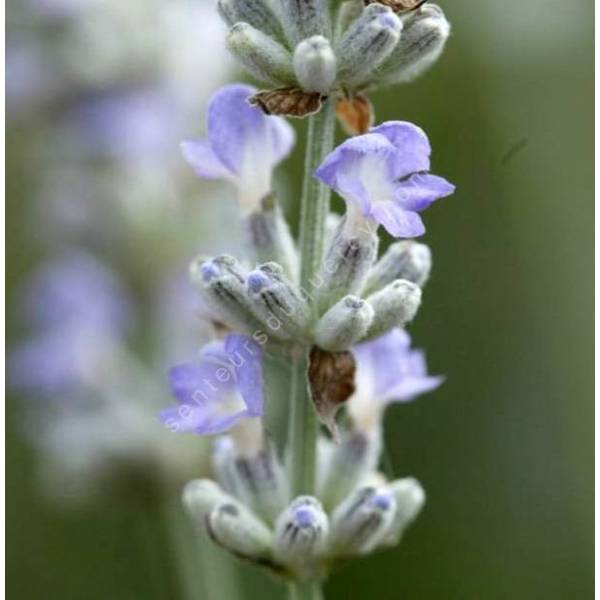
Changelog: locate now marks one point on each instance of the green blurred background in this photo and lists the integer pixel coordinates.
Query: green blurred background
(504, 448)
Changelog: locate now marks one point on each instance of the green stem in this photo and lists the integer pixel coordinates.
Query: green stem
(306, 590)
(315, 196)
(303, 423)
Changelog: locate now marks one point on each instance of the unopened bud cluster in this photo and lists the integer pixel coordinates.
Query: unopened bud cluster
(249, 511)
(303, 45)
(354, 297)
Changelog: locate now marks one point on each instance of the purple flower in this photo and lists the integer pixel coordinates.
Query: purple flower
(384, 176)
(129, 125)
(80, 312)
(388, 371)
(77, 290)
(217, 392)
(244, 145)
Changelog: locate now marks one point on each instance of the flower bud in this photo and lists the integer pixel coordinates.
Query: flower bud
(199, 498)
(222, 284)
(235, 528)
(301, 533)
(261, 55)
(270, 238)
(349, 463)
(258, 479)
(304, 18)
(407, 259)
(367, 43)
(349, 258)
(277, 303)
(344, 324)
(362, 520)
(314, 64)
(254, 12)
(394, 306)
(423, 39)
(410, 498)
(348, 12)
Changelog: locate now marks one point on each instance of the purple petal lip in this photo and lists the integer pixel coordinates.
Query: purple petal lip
(243, 143)
(396, 373)
(225, 368)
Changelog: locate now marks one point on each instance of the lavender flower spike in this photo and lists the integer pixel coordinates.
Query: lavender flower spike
(384, 177)
(387, 371)
(244, 145)
(217, 392)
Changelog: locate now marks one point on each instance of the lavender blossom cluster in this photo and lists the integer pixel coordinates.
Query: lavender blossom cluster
(347, 319)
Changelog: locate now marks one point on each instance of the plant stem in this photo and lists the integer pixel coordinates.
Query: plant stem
(315, 195)
(303, 424)
(306, 590)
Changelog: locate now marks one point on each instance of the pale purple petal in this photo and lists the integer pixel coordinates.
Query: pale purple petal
(239, 132)
(249, 355)
(411, 143)
(394, 372)
(410, 388)
(203, 160)
(187, 418)
(419, 191)
(354, 165)
(223, 387)
(398, 222)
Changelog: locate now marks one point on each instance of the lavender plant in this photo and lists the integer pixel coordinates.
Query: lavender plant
(325, 305)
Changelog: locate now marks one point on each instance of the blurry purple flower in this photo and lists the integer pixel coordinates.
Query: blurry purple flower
(388, 371)
(217, 392)
(79, 312)
(60, 363)
(77, 290)
(244, 145)
(133, 125)
(384, 175)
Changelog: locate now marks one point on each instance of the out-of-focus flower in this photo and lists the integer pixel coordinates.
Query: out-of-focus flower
(384, 177)
(217, 392)
(387, 371)
(80, 313)
(243, 146)
(91, 399)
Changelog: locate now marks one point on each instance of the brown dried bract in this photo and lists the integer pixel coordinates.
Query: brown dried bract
(399, 5)
(355, 113)
(288, 102)
(331, 379)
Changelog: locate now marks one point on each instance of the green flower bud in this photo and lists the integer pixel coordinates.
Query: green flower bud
(346, 266)
(407, 259)
(304, 18)
(236, 528)
(222, 284)
(423, 39)
(301, 533)
(361, 521)
(314, 64)
(269, 236)
(254, 12)
(278, 304)
(367, 43)
(394, 306)
(344, 324)
(410, 499)
(261, 55)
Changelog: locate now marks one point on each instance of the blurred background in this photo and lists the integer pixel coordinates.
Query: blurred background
(99, 94)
